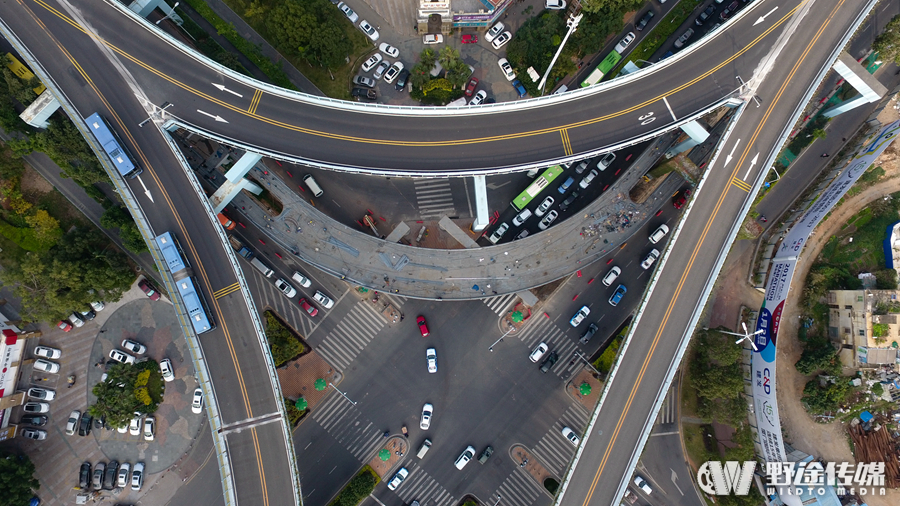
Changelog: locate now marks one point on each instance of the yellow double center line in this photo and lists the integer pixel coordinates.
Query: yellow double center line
(697, 249)
(254, 103)
(567, 144)
(221, 292)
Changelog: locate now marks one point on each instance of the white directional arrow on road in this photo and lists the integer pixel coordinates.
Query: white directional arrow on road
(752, 163)
(220, 119)
(494, 186)
(728, 158)
(222, 87)
(146, 191)
(675, 477)
(764, 16)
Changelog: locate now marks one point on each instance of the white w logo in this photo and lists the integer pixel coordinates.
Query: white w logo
(715, 480)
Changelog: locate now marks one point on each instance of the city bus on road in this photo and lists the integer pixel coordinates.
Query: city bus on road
(113, 147)
(536, 187)
(608, 63)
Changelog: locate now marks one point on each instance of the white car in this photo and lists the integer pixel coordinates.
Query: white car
(36, 407)
(548, 220)
(433, 38)
(97, 305)
(393, 72)
(612, 275)
(352, 16)
(389, 50)
(323, 299)
(465, 457)
(121, 356)
(580, 315)
(538, 352)
(606, 160)
(134, 426)
(149, 428)
(43, 394)
(544, 207)
(36, 434)
(197, 401)
(479, 98)
(642, 484)
(494, 32)
(398, 479)
(285, 288)
(651, 257)
(431, 357)
(124, 474)
(368, 82)
(507, 69)
(76, 320)
(137, 476)
(571, 436)
(382, 68)
(122, 430)
(521, 218)
(555, 5)
(589, 178)
(498, 233)
(626, 40)
(502, 40)
(165, 367)
(72, 422)
(369, 30)
(373, 60)
(46, 366)
(134, 347)
(300, 278)
(47, 352)
(659, 233)
(425, 421)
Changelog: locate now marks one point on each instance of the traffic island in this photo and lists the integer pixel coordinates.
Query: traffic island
(585, 388)
(306, 377)
(389, 455)
(531, 465)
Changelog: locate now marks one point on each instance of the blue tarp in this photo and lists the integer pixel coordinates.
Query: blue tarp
(888, 250)
(865, 416)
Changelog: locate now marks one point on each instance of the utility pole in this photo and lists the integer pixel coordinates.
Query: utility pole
(572, 23)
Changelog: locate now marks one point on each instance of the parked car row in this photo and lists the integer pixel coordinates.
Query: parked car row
(107, 476)
(289, 291)
(77, 318)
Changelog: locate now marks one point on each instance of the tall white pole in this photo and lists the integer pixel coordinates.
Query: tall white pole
(572, 23)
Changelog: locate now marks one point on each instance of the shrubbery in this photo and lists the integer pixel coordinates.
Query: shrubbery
(283, 345)
(358, 489)
(294, 415)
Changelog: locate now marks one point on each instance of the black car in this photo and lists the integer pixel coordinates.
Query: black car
(705, 15)
(38, 420)
(401, 80)
(588, 334)
(84, 476)
(363, 93)
(549, 361)
(100, 423)
(730, 10)
(84, 428)
(566, 203)
(644, 20)
(112, 469)
(486, 454)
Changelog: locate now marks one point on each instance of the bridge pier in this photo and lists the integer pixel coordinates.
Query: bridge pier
(869, 88)
(235, 181)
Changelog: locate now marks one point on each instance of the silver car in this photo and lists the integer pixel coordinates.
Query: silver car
(382, 67)
(373, 60)
(544, 207)
(352, 16)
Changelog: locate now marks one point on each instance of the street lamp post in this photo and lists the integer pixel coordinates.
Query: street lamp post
(498, 500)
(579, 355)
(342, 393)
(169, 15)
(777, 175)
(572, 23)
(511, 328)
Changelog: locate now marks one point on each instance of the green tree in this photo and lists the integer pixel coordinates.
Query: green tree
(886, 279)
(816, 356)
(819, 399)
(720, 348)
(428, 58)
(458, 73)
(887, 44)
(46, 227)
(448, 56)
(17, 481)
(621, 6)
(418, 76)
(310, 29)
(125, 392)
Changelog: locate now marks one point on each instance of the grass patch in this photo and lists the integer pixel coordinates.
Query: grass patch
(865, 253)
(283, 344)
(695, 443)
(357, 489)
(689, 397)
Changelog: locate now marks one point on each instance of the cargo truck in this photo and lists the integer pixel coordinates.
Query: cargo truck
(240, 248)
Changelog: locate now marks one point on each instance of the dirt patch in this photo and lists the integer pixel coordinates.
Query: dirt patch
(34, 182)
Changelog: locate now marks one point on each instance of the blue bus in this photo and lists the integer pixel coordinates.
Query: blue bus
(181, 273)
(113, 146)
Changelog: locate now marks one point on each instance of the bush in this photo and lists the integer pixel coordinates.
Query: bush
(283, 345)
(23, 237)
(294, 415)
(551, 485)
(608, 357)
(358, 489)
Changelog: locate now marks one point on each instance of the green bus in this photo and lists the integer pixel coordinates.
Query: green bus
(536, 187)
(608, 63)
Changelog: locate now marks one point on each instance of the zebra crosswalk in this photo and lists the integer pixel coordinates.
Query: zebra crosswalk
(420, 486)
(668, 412)
(500, 304)
(353, 333)
(542, 329)
(555, 451)
(519, 489)
(348, 426)
(434, 198)
(286, 308)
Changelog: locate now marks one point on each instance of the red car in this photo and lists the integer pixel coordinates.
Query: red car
(310, 310)
(423, 328)
(681, 198)
(470, 88)
(148, 290)
(469, 39)
(64, 326)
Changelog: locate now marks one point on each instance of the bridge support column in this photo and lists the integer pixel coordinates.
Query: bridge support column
(696, 133)
(235, 182)
(482, 215)
(145, 7)
(870, 90)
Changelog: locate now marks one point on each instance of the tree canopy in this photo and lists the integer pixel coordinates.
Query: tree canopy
(17, 481)
(310, 29)
(128, 389)
(887, 44)
(717, 376)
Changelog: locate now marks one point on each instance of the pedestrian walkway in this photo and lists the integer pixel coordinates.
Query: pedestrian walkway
(435, 198)
(420, 486)
(352, 334)
(668, 413)
(519, 489)
(543, 330)
(287, 309)
(555, 451)
(347, 425)
(500, 304)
